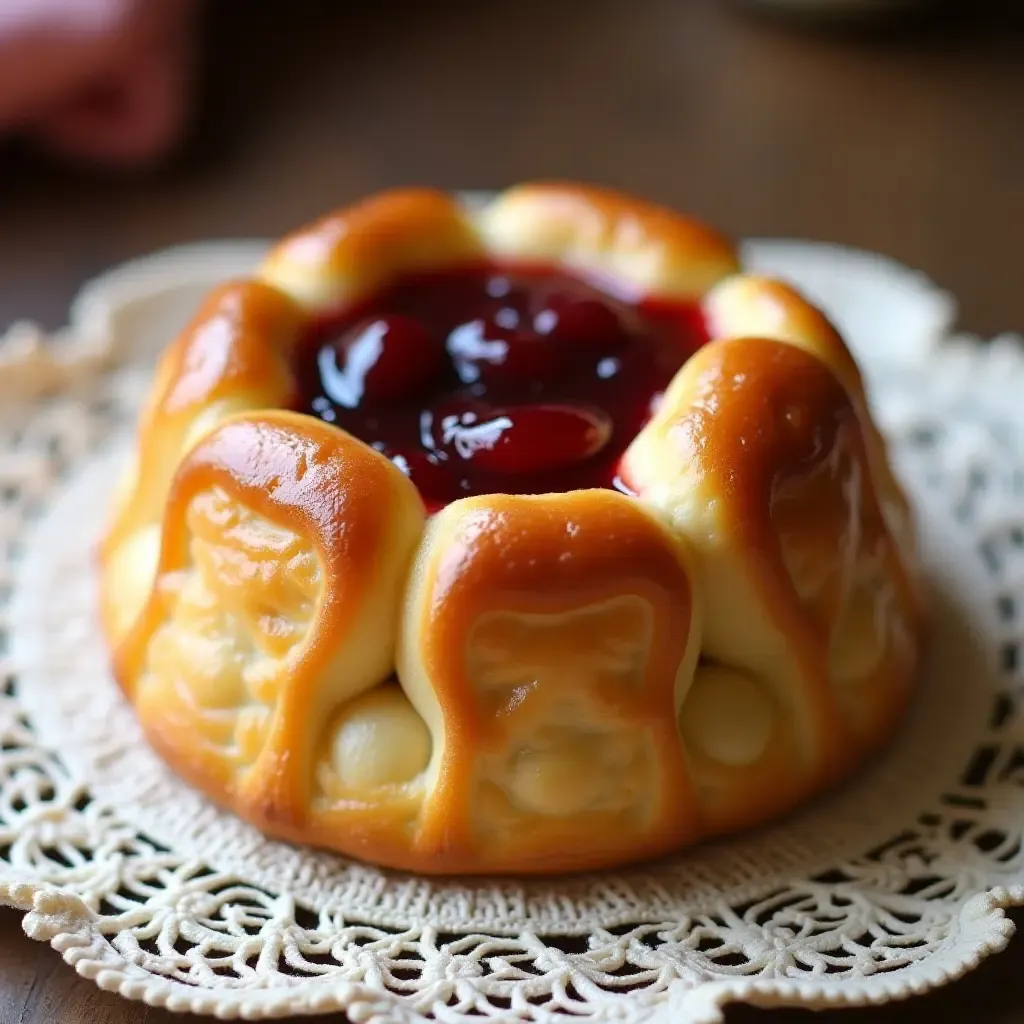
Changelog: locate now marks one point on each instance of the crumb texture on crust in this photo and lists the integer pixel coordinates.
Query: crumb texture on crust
(520, 683)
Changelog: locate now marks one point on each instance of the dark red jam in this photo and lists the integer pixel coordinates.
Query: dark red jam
(484, 380)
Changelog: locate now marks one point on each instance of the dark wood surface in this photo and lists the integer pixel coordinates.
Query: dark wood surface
(908, 142)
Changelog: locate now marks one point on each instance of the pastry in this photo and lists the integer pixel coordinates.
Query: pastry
(536, 538)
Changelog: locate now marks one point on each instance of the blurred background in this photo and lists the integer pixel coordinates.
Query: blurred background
(895, 125)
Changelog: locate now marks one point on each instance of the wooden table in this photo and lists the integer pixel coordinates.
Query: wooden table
(909, 143)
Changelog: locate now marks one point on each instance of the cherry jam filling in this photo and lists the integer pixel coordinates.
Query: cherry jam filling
(489, 380)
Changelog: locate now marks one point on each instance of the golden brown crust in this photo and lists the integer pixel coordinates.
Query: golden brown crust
(551, 628)
(750, 305)
(621, 572)
(230, 357)
(758, 456)
(755, 306)
(352, 252)
(584, 679)
(302, 535)
(634, 246)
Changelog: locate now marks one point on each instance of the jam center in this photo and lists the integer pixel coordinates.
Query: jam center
(489, 380)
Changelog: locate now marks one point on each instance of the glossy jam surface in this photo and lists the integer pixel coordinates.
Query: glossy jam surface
(487, 380)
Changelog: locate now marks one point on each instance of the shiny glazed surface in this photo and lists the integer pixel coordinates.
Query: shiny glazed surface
(518, 682)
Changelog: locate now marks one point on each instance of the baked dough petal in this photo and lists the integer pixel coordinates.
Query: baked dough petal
(549, 641)
(751, 305)
(349, 254)
(230, 358)
(285, 548)
(631, 245)
(759, 457)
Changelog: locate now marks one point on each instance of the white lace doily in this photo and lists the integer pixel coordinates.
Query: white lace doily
(887, 887)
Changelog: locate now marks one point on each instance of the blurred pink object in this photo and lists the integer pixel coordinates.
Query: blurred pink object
(105, 81)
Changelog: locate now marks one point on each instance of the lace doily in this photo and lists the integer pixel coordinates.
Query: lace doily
(889, 886)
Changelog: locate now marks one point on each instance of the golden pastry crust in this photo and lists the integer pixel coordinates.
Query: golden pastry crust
(549, 640)
(757, 455)
(284, 550)
(517, 684)
(232, 356)
(348, 254)
(750, 305)
(634, 246)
